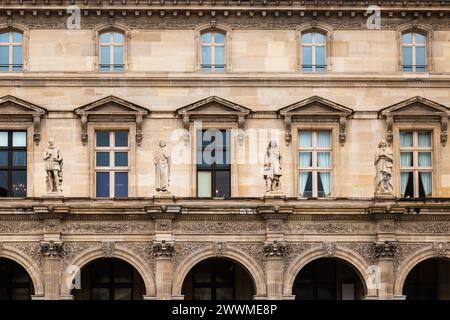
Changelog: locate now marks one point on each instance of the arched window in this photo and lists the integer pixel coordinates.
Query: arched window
(212, 46)
(414, 57)
(313, 52)
(112, 51)
(11, 51)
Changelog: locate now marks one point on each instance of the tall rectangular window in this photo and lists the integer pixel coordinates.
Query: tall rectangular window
(213, 163)
(314, 163)
(111, 164)
(313, 47)
(13, 163)
(112, 51)
(11, 51)
(212, 51)
(416, 164)
(414, 52)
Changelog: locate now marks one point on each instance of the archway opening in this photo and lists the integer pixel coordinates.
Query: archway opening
(15, 282)
(428, 280)
(218, 279)
(109, 279)
(328, 279)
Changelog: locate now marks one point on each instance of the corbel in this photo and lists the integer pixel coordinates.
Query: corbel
(287, 129)
(444, 125)
(36, 129)
(241, 132)
(389, 129)
(139, 129)
(84, 133)
(186, 135)
(342, 128)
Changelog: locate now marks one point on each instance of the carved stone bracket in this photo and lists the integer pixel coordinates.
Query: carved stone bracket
(219, 248)
(440, 248)
(162, 249)
(389, 130)
(386, 249)
(444, 134)
(342, 128)
(275, 249)
(329, 248)
(52, 249)
(108, 249)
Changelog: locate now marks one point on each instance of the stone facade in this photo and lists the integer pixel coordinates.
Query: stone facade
(363, 98)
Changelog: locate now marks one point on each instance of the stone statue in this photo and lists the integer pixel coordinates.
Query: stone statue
(162, 168)
(383, 164)
(272, 167)
(53, 167)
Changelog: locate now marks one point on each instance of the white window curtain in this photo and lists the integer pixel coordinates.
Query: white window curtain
(406, 139)
(303, 178)
(305, 159)
(405, 159)
(325, 178)
(425, 178)
(305, 139)
(424, 139)
(404, 177)
(323, 159)
(424, 159)
(323, 139)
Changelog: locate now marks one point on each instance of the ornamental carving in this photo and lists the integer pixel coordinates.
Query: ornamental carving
(424, 227)
(162, 249)
(219, 248)
(296, 250)
(183, 249)
(365, 250)
(101, 227)
(108, 249)
(21, 227)
(275, 249)
(52, 249)
(338, 227)
(32, 250)
(73, 249)
(329, 248)
(275, 226)
(386, 249)
(253, 250)
(405, 251)
(221, 226)
(440, 248)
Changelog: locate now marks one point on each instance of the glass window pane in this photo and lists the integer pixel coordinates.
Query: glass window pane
(420, 39)
(222, 184)
(102, 138)
(324, 184)
(19, 183)
(19, 159)
(19, 139)
(122, 294)
(206, 37)
(102, 184)
(406, 159)
(320, 38)
(121, 184)
(424, 159)
(204, 184)
(424, 139)
(4, 37)
(219, 56)
(320, 59)
(206, 56)
(307, 37)
(104, 56)
(202, 294)
(121, 159)
(105, 37)
(118, 38)
(100, 294)
(323, 139)
(407, 56)
(219, 38)
(305, 184)
(306, 58)
(426, 182)
(406, 139)
(121, 138)
(305, 139)
(202, 272)
(3, 158)
(102, 159)
(224, 294)
(17, 58)
(305, 159)
(407, 38)
(122, 272)
(420, 59)
(20, 294)
(324, 159)
(3, 183)
(3, 139)
(118, 56)
(4, 58)
(17, 37)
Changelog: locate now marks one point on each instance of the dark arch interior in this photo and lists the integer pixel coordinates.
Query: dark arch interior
(428, 280)
(109, 279)
(15, 282)
(328, 279)
(218, 279)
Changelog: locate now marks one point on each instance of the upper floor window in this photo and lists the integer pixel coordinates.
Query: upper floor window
(313, 47)
(13, 163)
(414, 52)
(212, 46)
(11, 56)
(112, 50)
(111, 163)
(416, 164)
(213, 163)
(314, 163)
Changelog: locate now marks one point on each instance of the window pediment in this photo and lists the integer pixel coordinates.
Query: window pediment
(417, 109)
(111, 109)
(15, 109)
(315, 108)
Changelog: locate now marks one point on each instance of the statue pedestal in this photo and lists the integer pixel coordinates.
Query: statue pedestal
(164, 196)
(53, 195)
(274, 195)
(384, 197)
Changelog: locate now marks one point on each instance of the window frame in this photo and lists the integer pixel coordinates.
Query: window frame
(9, 168)
(112, 45)
(413, 45)
(219, 28)
(213, 284)
(315, 27)
(423, 29)
(10, 45)
(313, 45)
(126, 45)
(20, 28)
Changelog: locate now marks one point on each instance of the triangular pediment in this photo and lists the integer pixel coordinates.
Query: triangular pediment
(315, 106)
(213, 106)
(12, 106)
(416, 106)
(111, 105)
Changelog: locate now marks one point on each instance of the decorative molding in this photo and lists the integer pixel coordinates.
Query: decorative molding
(52, 249)
(21, 227)
(276, 249)
(108, 249)
(424, 227)
(100, 227)
(331, 227)
(183, 249)
(162, 249)
(253, 250)
(329, 248)
(219, 248)
(440, 248)
(386, 249)
(215, 227)
(32, 250)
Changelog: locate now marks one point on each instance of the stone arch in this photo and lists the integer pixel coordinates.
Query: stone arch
(358, 263)
(252, 267)
(29, 266)
(139, 264)
(405, 268)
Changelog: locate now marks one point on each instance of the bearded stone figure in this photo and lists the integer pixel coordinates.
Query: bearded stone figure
(383, 163)
(272, 167)
(162, 168)
(53, 167)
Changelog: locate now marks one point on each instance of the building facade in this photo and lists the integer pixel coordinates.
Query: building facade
(94, 86)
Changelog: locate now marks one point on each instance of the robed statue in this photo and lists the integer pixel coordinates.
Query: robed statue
(383, 163)
(162, 168)
(53, 167)
(272, 167)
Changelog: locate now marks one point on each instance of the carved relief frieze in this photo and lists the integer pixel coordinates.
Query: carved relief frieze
(73, 249)
(21, 227)
(220, 226)
(184, 249)
(106, 227)
(424, 227)
(108, 249)
(253, 250)
(32, 250)
(329, 227)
